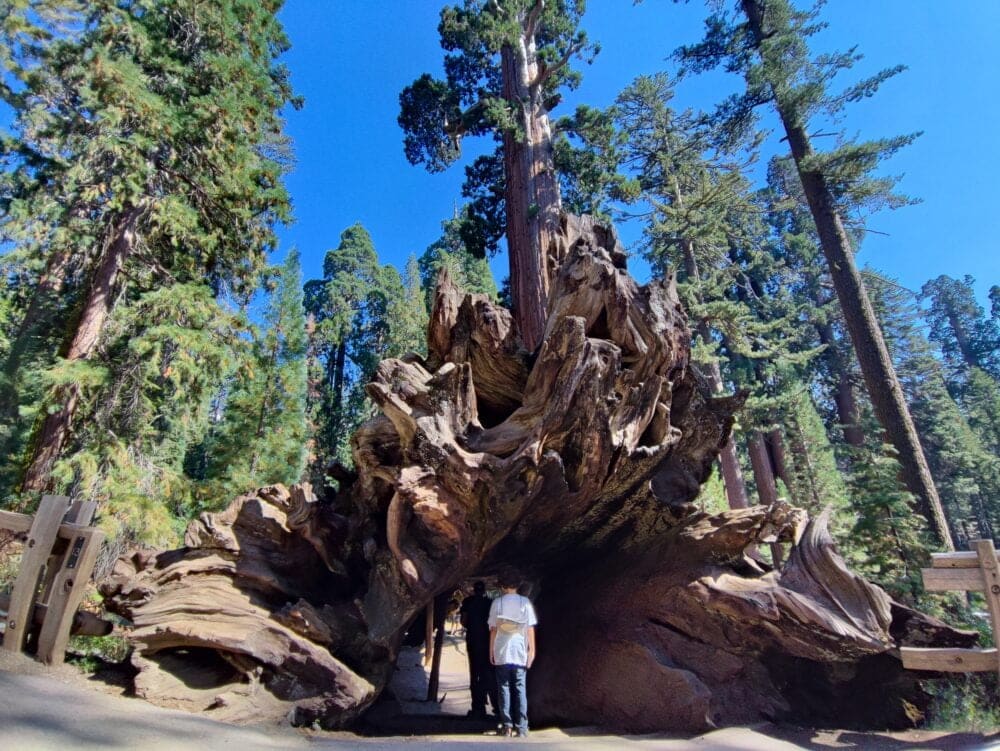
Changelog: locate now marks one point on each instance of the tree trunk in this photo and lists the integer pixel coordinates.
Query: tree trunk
(763, 472)
(843, 393)
(283, 606)
(876, 365)
(56, 426)
(531, 190)
(776, 449)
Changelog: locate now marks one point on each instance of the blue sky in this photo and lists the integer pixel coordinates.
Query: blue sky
(351, 58)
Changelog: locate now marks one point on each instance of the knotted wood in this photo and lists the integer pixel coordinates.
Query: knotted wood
(577, 464)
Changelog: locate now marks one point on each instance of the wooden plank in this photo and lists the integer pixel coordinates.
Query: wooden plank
(949, 660)
(21, 523)
(15, 522)
(84, 623)
(991, 577)
(41, 536)
(67, 591)
(962, 559)
(948, 579)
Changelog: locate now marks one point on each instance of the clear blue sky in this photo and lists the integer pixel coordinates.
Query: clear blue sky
(351, 58)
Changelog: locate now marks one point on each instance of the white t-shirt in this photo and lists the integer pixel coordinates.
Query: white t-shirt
(511, 648)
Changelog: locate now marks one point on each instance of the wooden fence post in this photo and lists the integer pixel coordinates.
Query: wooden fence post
(969, 571)
(68, 588)
(991, 581)
(41, 537)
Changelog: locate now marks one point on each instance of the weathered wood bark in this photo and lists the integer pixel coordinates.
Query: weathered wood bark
(531, 189)
(577, 464)
(876, 365)
(55, 427)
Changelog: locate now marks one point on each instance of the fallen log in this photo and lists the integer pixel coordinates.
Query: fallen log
(577, 464)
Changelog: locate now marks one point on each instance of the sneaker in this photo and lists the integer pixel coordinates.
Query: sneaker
(520, 733)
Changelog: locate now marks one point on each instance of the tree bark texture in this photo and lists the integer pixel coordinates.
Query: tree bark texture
(55, 427)
(531, 191)
(763, 471)
(880, 377)
(576, 466)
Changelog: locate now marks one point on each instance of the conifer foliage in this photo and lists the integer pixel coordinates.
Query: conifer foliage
(140, 188)
(505, 64)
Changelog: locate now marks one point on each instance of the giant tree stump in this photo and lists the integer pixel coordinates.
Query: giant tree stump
(576, 464)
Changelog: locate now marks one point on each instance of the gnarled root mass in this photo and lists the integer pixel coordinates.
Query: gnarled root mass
(577, 464)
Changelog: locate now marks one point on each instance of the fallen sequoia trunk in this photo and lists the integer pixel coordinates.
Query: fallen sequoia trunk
(577, 464)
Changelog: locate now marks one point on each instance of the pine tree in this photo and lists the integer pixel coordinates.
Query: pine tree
(814, 479)
(146, 148)
(408, 315)
(705, 224)
(471, 273)
(147, 396)
(262, 438)
(965, 471)
(361, 313)
(334, 302)
(769, 48)
(982, 406)
(506, 62)
(967, 337)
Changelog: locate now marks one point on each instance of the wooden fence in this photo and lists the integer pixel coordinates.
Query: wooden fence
(971, 571)
(56, 564)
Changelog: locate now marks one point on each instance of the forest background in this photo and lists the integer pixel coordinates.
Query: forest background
(232, 350)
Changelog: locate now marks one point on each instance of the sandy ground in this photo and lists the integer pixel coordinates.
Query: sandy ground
(43, 709)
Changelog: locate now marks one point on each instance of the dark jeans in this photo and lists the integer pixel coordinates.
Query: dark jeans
(482, 682)
(513, 694)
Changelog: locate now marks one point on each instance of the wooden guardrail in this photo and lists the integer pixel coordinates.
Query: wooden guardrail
(973, 571)
(56, 564)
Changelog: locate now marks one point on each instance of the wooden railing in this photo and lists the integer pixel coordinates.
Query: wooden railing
(56, 564)
(971, 571)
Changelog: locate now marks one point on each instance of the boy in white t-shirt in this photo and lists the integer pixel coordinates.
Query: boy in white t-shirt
(512, 650)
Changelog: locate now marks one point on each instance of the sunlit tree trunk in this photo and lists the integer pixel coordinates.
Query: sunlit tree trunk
(873, 356)
(56, 426)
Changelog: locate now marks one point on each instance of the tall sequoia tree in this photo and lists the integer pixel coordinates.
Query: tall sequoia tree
(768, 46)
(147, 148)
(967, 337)
(505, 64)
(361, 313)
(450, 251)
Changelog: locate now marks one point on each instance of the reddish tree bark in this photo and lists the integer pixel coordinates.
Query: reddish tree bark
(531, 191)
(288, 606)
(56, 426)
(763, 472)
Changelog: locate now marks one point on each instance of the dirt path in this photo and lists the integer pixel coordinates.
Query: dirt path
(58, 709)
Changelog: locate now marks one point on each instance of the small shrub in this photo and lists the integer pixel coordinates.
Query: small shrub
(965, 703)
(90, 652)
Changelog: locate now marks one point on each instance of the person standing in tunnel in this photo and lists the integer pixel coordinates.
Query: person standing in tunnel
(512, 648)
(475, 613)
